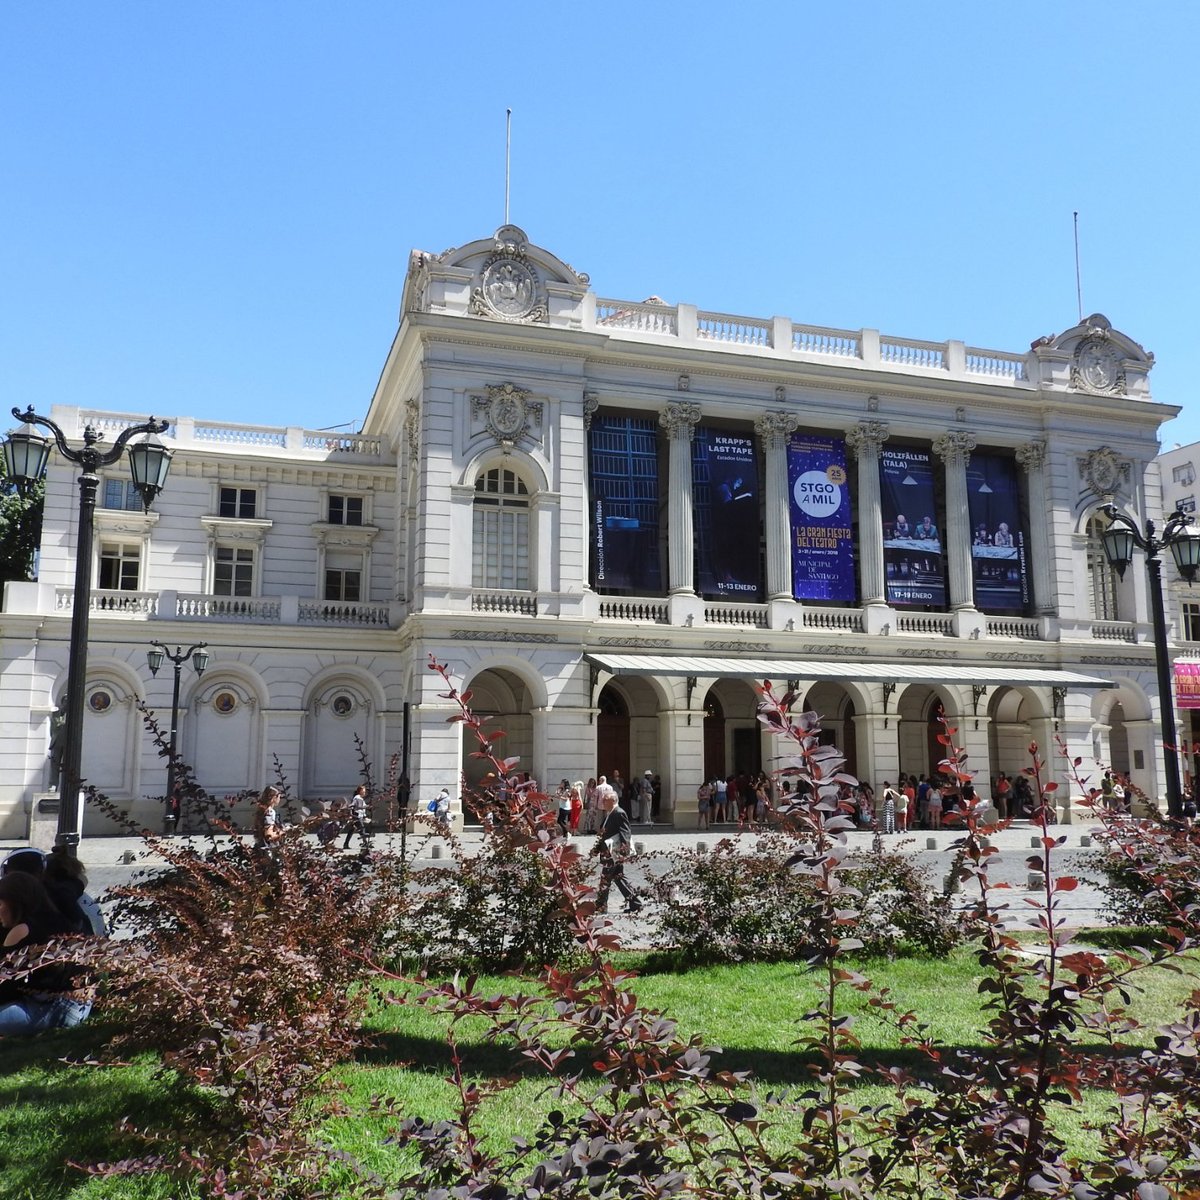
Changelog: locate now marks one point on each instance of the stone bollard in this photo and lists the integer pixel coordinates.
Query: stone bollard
(1035, 880)
(931, 843)
(1085, 840)
(702, 847)
(639, 847)
(128, 857)
(435, 850)
(1036, 842)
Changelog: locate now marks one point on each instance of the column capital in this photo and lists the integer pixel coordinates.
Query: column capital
(954, 447)
(773, 427)
(1032, 455)
(867, 436)
(680, 419)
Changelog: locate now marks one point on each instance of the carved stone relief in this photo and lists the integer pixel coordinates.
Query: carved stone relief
(507, 412)
(591, 402)
(1032, 455)
(509, 287)
(412, 427)
(1097, 365)
(1103, 471)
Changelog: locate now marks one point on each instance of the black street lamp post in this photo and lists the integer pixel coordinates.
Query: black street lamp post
(26, 454)
(198, 656)
(1183, 541)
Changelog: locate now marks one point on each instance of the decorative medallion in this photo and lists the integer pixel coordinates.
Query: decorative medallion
(509, 287)
(507, 412)
(1097, 366)
(342, 705)
(100, 701)
(225, 703)
(1102, 471)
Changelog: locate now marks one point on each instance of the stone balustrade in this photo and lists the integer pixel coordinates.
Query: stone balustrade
(188, 433)
(779, 337)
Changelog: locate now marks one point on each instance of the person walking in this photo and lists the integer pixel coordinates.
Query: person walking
(612, 847)
(358, 817)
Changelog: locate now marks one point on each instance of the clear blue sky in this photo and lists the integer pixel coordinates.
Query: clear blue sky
(207, 208)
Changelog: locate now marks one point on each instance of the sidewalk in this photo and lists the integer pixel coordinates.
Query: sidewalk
(111, 861)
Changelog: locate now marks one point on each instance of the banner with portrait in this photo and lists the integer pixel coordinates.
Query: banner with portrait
(623, 475)
(727, 515)
(913, 559)
(998, 541)
(819, 512)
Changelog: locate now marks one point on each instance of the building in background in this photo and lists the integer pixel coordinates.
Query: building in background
(611, 520)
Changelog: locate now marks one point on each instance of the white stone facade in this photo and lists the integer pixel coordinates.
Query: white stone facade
(324, 572)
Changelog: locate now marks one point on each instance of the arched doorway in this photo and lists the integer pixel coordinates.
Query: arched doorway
(918, 729)
(714, 737)
(835, 706)
(1118, 739)
(733, 740)
(503, 697)
(612, 733)
(1011, 727)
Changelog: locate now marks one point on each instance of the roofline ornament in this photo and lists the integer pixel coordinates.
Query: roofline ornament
(509, 287)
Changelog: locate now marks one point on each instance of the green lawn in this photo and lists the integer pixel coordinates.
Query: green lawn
(51, 1112)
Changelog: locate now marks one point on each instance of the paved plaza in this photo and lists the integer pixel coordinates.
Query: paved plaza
(112, 861)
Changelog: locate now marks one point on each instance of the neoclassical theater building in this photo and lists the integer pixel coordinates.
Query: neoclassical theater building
(612, 520)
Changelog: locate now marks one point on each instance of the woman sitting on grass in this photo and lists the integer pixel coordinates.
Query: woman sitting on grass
(44, 998)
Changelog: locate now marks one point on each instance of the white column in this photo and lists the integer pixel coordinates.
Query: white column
(1032, 458)
(680, 420)
(864, 441)
(954, 449)
(774, 428)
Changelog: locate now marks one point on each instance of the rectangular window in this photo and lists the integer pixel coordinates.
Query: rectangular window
(1184, 474)
(121, 494)
(233, 572)
(120, 566)
(238, 502)
(345, 510)
(1191, 622)
(343, 584)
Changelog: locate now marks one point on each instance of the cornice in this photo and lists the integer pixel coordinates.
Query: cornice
(353, 477)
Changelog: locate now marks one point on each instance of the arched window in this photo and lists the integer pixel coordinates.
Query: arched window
(500, 545)
(1102, 578)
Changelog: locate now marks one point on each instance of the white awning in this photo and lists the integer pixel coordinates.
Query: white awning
(849, 670)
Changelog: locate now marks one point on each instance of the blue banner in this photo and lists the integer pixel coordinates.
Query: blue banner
(623, 469)
(998, 554)
(819, 508)
(913, 561)
(727, 515)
